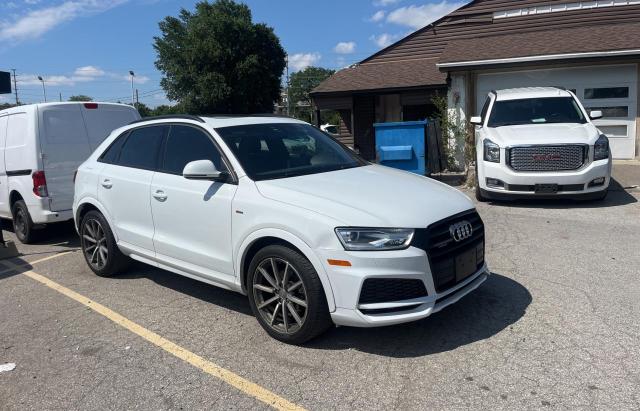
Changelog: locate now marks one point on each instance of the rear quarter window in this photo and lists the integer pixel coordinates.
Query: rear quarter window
(141, 148)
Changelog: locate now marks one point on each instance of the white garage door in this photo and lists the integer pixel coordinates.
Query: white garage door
(612, 89)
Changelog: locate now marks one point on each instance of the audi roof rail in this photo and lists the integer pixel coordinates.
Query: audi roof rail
(222, 115)
(169, 117)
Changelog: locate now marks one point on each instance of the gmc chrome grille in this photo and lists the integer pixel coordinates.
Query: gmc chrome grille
(547, 158)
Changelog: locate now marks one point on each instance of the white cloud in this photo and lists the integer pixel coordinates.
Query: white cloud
(37, 22)
(385, 39)
(85, 74)
(377, 16)
(32, 2)
(419, 16)
(385, 3)
(345, 47)
(88, 71)
(301, 61)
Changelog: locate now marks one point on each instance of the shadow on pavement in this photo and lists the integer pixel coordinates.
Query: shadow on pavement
(59, 234)
(617, 196)
(197, 289)
(497, 304)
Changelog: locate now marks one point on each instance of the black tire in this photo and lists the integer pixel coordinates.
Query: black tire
(480, 196)
(316, 318)
(105, 259)
(22, 223)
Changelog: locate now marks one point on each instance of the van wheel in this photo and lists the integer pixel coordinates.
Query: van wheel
(99, 246)
(22, 223)
(286, 295)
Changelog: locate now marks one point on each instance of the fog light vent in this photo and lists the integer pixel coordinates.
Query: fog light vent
(597, 182)
(494, 182)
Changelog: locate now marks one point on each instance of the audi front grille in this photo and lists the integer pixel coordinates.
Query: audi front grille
(443, 250)
(547, 157)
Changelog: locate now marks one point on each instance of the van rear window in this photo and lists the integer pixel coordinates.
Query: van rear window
(64, 126)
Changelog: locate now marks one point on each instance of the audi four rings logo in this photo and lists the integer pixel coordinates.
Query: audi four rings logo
(461, 231)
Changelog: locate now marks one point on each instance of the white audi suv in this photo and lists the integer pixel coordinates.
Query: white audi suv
(276, 209)
(539, 142)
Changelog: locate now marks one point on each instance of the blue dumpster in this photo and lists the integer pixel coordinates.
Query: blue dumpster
(402, 145)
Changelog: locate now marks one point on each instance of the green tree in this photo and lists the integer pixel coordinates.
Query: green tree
(143, 109)
(216, 60)
(164, 109)
(80, 97)
(300, 85)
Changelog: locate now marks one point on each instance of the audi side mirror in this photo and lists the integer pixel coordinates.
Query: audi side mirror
(476, 120)
(595, 114)
(203, 170)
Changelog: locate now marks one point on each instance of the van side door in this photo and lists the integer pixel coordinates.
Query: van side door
(124, 185)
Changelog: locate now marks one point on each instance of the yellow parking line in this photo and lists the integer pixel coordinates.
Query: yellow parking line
(229, 377)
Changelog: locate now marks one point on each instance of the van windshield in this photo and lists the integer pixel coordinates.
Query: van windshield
(279, 150)
(535, 111)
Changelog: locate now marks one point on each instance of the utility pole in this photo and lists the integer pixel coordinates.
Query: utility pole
(60, 97)
(15, 86)
(288, 89)
(137, 98)
(132, 74)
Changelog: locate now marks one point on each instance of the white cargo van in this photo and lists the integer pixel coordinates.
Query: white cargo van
(41, 146)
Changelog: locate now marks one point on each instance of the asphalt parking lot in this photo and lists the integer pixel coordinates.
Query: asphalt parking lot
(557, 325)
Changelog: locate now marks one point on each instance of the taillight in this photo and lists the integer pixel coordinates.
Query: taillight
(91, 106)
(39, 184)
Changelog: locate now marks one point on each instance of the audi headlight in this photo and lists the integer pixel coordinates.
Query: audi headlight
(491, 151)
(374, 239)
(601, 148)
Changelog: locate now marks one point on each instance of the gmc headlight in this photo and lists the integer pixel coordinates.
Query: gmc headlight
(491, 151)
(374, 239)
(601, 148)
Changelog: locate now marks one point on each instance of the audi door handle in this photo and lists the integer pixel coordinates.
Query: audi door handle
(106, 183)
(160, 195)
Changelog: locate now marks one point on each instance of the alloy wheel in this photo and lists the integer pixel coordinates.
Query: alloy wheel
(280, 295)
(94, 243)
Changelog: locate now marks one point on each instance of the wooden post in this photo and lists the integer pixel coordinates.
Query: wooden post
(318, 118)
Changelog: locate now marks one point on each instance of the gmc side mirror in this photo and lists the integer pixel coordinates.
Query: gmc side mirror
(203, 170)
(476, 120)
(595, 114)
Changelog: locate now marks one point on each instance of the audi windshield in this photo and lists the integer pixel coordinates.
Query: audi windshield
(279, 150)
(536, 111)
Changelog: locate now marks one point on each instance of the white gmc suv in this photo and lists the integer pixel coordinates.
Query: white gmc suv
(276, 209)
(539, 142)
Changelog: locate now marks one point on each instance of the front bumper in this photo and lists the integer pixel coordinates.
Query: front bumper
(518, 183)
(411, 263)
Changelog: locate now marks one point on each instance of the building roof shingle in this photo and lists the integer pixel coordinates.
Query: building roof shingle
(372, 76)
(588, 39)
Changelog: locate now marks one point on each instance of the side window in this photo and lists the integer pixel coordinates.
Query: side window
(485, 108)
(111, 154)
(186, 144)
(141, 148)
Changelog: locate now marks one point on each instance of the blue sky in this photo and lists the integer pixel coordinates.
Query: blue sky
(89, 46)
